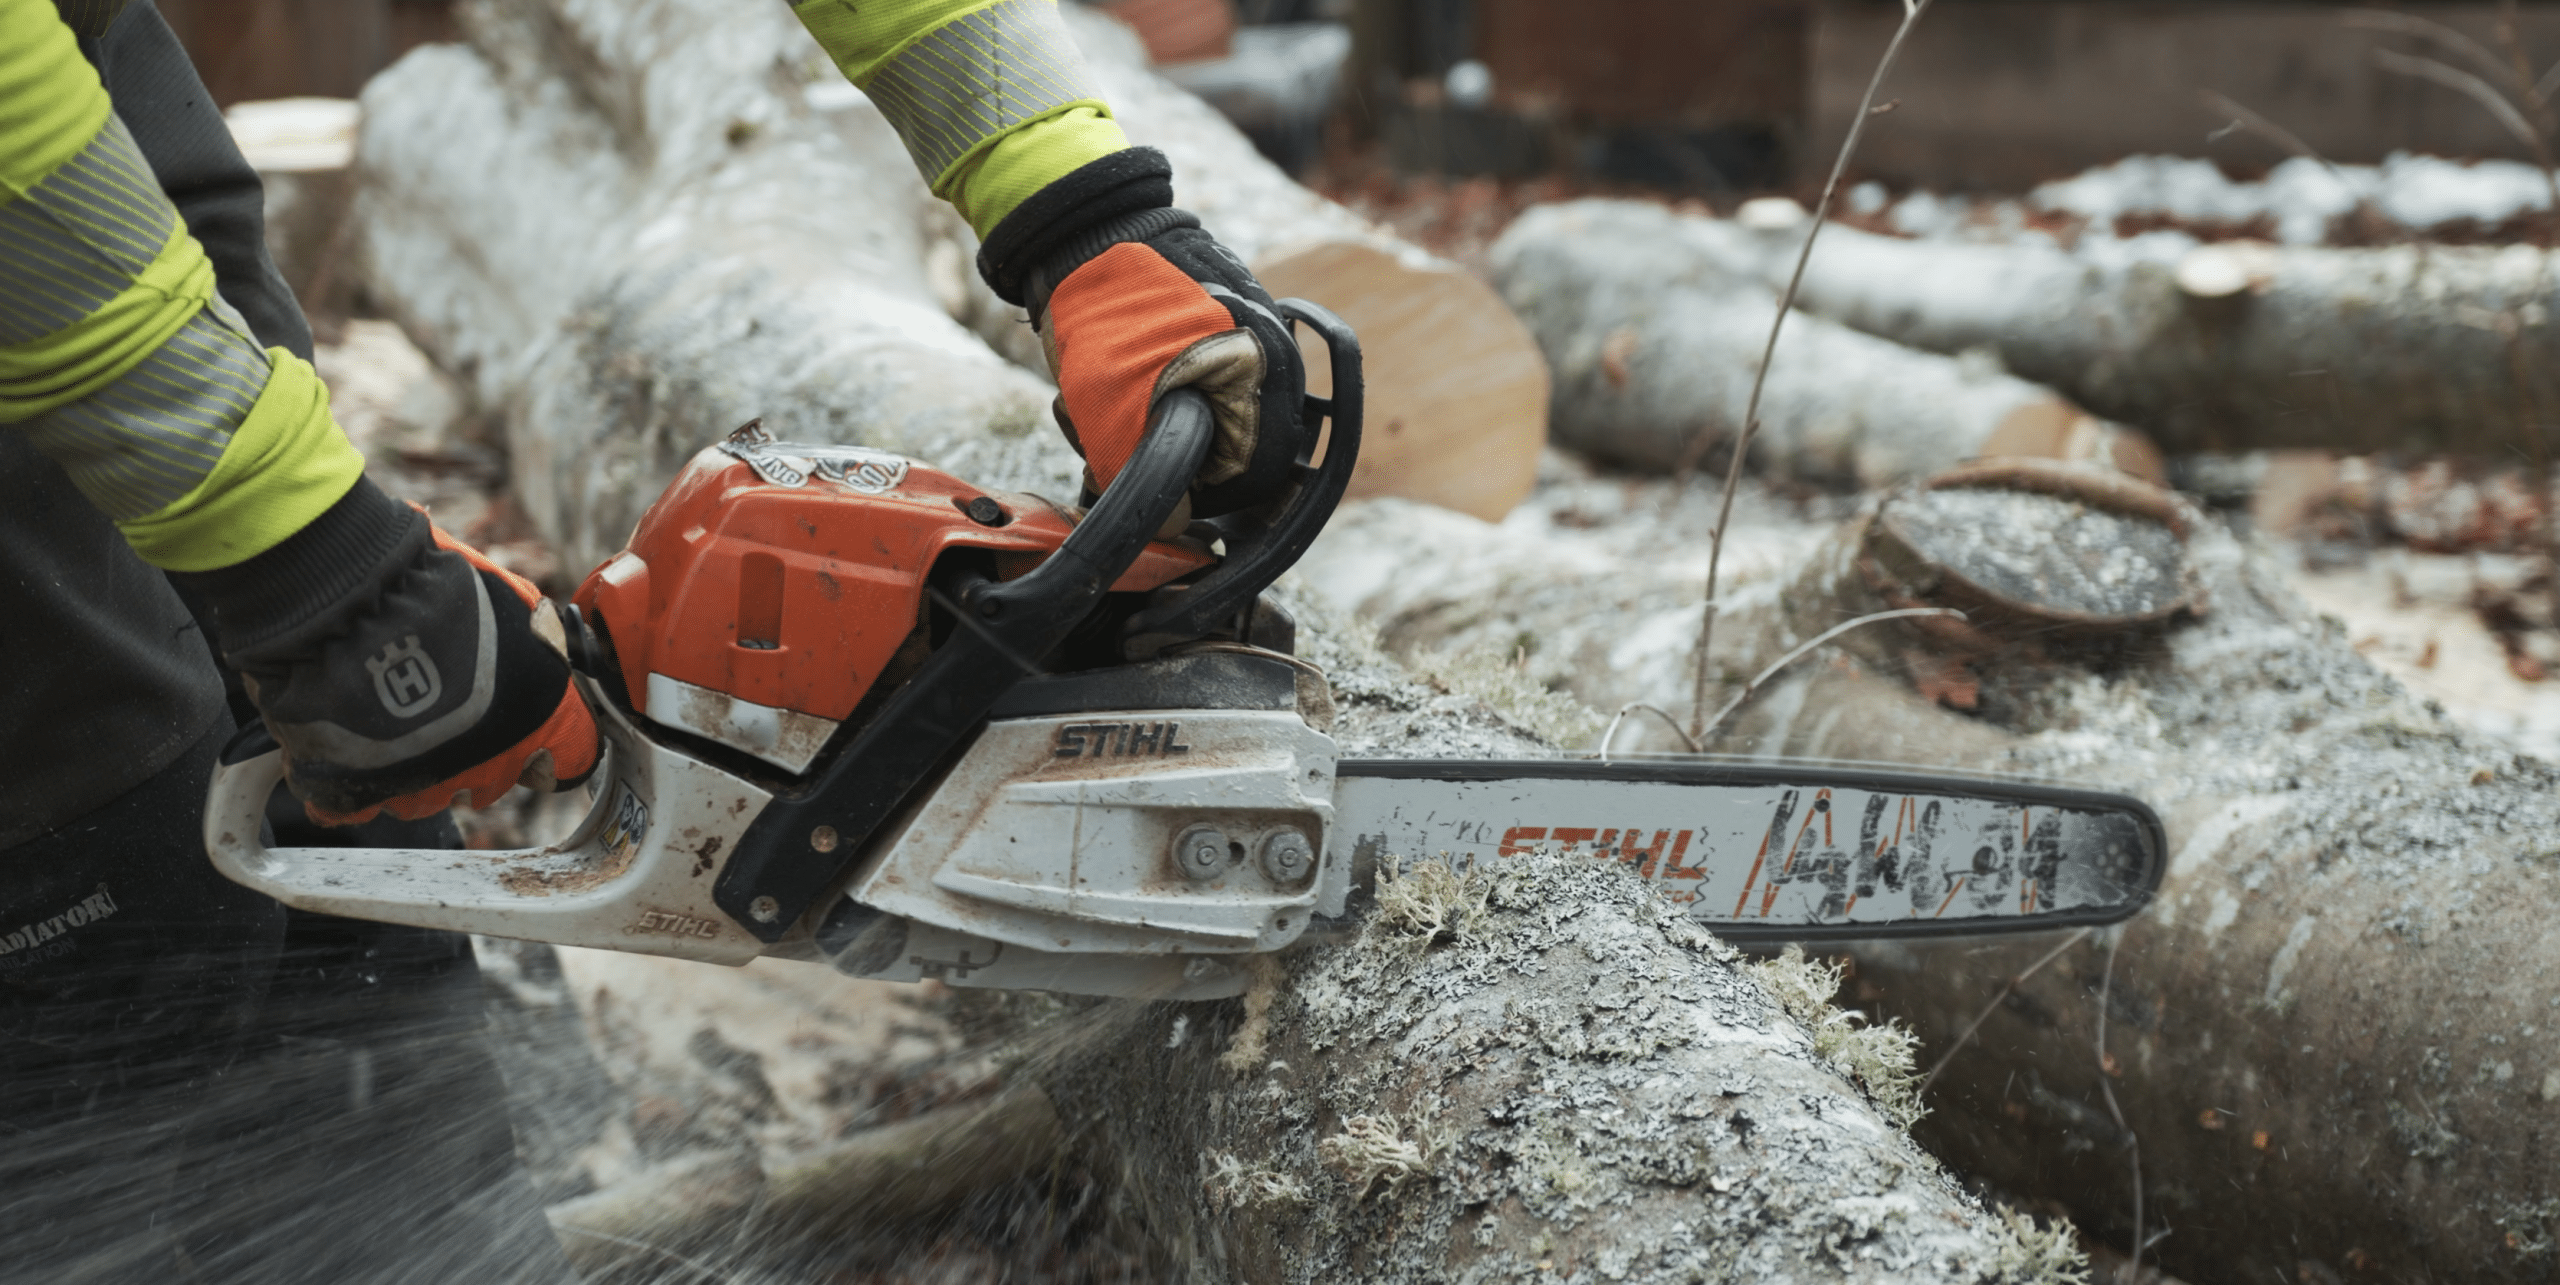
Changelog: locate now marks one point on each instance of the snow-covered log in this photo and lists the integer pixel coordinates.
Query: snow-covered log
(2226, 346)
(2332, 1039)
(1654, 343)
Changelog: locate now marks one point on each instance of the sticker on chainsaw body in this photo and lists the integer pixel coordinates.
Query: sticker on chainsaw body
(1838, 854)
(857, 468)
(627, 825)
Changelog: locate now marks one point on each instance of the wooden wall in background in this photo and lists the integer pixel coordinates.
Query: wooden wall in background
(1655, 62)
(251, 49)
(2003, 94)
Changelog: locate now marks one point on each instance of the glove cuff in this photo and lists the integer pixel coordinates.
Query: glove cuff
(319, 577)
(1125, 182)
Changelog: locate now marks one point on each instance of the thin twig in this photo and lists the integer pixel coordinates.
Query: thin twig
(1911, 11)
(2478, 90)
(2132, 1140)
(1633, 707)
(1899, 613)
(2410, 24)
(2011, 988)
(2273, 132)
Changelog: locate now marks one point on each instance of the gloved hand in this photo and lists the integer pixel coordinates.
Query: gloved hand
(1133, 299)
(398, 667)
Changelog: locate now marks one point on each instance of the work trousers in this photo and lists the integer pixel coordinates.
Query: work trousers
(197, 1085)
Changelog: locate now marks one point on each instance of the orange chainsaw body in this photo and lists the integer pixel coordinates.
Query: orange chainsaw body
(789, 576)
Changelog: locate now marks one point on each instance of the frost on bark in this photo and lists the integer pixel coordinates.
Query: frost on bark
(2233, 346)
(2332, 1038)
(1654, 343)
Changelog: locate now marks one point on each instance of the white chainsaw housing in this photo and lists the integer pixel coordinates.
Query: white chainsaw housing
(1059, 833)
(1044, 860)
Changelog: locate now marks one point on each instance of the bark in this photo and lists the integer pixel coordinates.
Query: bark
(2224, 347)
(2332, 1039)
(1654, 343)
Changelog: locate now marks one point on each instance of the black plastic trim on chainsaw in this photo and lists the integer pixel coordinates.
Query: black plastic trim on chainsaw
(778, 868)
(1256, 558)
(2145, 823)
(1213, 680)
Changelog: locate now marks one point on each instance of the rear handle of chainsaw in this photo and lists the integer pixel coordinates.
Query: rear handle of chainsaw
(805, 841)
(1254, 560)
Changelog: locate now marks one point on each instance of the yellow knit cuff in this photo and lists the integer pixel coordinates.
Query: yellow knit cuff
(101, 348)
(1004, 171)
(285, 466)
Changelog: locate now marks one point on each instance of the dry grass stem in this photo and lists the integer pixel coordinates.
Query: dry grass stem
(1911, 11)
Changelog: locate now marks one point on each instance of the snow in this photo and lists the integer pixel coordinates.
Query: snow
(2300, 196)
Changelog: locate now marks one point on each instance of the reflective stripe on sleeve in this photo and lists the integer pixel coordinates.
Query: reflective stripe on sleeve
(977, 76)
(96, 273)
(80, 238)
(138, 444)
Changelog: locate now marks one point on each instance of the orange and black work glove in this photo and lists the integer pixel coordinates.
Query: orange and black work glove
(398, 667)
(1132, 300)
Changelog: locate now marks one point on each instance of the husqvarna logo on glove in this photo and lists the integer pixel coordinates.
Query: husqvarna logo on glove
(405, 678)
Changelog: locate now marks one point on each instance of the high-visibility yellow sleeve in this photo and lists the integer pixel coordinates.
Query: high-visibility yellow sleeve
(991, 97)
(117, 359)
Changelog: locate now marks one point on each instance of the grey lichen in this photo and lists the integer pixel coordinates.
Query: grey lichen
(1426, 904)
(1881, 1058)
(1541, 1070)
(1233, 1184)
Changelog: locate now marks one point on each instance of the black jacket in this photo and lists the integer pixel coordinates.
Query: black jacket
(109, 677)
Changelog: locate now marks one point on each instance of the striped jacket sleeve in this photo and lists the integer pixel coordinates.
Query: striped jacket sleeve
(991, 97)
(117, 358)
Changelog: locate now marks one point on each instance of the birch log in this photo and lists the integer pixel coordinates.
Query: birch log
(1654, 341)
(2234, 346)
(2335, 1040)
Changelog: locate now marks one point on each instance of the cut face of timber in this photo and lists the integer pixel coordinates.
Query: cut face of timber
(1457, 392)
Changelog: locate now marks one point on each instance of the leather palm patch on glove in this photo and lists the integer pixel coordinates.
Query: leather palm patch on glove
(435, 675)
(1176, 310)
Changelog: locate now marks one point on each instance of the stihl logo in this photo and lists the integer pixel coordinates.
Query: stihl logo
(674, 925)
(405, 679)
(1122, 740)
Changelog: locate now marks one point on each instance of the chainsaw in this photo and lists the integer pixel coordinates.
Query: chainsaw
(859, 711)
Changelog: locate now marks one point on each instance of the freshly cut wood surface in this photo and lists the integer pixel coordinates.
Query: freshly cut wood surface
(1457, 392)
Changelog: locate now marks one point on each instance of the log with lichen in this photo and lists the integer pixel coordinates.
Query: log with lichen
(1531, 1070)
(2330, 1043)
(1654, 340)
(2228, 346)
